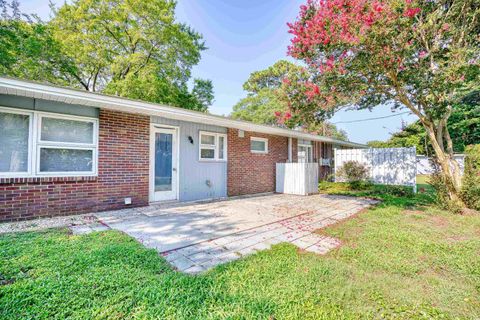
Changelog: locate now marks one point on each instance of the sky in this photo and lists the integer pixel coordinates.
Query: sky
(244, 36)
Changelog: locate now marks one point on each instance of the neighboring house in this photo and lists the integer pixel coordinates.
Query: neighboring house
(65, 151)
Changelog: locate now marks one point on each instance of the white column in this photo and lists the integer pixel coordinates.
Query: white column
(289, 149)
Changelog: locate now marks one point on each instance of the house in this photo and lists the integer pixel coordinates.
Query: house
(65, 151)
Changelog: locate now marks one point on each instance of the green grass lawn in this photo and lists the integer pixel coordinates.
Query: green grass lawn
(422, 179)
(401, 259)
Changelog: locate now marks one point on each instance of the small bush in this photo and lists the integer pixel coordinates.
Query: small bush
(471, 178)
(355, 173)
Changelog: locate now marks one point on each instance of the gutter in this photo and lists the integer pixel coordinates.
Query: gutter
(74, 96)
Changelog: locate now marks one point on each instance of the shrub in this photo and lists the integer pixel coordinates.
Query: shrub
(398, 191)
(471, 178)
(355, 173)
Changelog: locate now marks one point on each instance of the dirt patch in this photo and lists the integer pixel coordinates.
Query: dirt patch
(413, 212)
(470, 212)
(458, 238)
(439, 221)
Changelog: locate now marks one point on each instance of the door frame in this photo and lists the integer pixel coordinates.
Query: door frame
(307, 146)
(176, 149)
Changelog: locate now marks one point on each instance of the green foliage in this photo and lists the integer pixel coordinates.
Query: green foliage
(439, 183)
(267, 104)
(355, 173)
(464, 123)
(387, 254)
(264, 97)
(412, 135)
(129, 48)
(418, 55)
(28, 51)
(464, 127)
(389, 194)
(259, 107)
(471, 178)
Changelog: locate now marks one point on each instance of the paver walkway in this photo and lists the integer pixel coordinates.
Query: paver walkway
(195, 237)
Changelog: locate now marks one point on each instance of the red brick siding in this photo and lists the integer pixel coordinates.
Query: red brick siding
(123, 171)
(250, 173)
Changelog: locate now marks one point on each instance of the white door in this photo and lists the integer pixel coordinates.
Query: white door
(163, 173)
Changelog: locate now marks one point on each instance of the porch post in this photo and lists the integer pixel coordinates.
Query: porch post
(289, 149)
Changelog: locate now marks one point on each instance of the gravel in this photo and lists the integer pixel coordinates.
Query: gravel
(47, 223)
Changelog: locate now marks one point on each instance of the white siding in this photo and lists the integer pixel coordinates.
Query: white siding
(197, 179)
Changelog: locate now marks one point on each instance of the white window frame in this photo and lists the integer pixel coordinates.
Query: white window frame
(35, 144)
(260, 140)
(28, 173)
(215, 147)
(307, 146)
(67, 145)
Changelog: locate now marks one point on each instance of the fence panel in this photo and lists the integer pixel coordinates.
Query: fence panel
(297, 178)
(424, 165)
(395, 166)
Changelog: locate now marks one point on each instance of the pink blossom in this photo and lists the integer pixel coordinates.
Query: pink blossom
(286, 81)
(422, 54)
(411, 12)
(377, 6)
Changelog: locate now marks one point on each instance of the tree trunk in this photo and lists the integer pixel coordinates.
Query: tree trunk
(449, 166)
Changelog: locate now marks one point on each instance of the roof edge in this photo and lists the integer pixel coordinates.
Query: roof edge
(12, 86)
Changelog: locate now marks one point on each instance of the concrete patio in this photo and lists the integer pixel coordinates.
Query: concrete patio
(194, 237)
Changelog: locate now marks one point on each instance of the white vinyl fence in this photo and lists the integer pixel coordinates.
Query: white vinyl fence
(297, 178)
(394, 166)
(424, 165)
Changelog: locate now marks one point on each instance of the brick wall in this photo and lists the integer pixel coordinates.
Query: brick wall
(123, 171)
(250, 173)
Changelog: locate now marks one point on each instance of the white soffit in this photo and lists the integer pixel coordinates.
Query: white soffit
(72, 96)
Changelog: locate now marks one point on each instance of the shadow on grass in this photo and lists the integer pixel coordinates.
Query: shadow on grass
(397, 196)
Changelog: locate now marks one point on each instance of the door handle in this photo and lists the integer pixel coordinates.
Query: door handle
(174, 169)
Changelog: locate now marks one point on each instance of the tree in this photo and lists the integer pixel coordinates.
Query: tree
(412, 135)
(266, 102)
(264, 97)
(203, 93)
(28, 50)
(418, 54)
(129, 48)
(464, 125)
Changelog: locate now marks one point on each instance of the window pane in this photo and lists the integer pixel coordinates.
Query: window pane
(63, 130)
(221, 147)
(14, 132)
(65, 160)
(207, 154)
(301, 154)
(256, 145)
(163, 161)
(207, 139)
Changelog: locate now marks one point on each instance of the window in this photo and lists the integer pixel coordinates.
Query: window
(213, 146)
(44, 144)
(258, 145)
(15, 136)
(305, 153)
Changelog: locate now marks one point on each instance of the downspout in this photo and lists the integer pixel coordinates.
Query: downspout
(289, 149)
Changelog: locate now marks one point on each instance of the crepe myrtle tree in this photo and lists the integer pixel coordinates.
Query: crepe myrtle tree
(419, 55)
